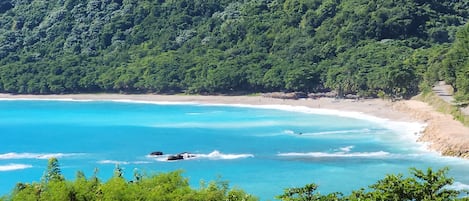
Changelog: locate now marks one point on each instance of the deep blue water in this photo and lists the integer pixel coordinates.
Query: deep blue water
(259, 150)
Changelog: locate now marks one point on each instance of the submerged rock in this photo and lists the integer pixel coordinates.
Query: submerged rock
(156, 153)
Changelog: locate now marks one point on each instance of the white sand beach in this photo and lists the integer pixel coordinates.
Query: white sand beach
(442, 134)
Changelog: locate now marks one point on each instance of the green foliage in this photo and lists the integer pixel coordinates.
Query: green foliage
(307, 193)
(163, 186)
(426, 185)
(351, 46)
(53, 172)
(454, 68)
(421, 185)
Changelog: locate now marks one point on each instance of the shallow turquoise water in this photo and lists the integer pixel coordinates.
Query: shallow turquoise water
(259, 150)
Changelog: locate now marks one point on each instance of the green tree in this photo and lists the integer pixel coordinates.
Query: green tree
(25, 192)
(302, 79)
(422, 185)
(84, 189)
(53, 172)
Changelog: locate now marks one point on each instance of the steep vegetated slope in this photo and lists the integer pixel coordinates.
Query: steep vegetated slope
(369, 48)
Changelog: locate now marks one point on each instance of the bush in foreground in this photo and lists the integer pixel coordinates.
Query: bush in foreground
(163, 186)
(420, 186)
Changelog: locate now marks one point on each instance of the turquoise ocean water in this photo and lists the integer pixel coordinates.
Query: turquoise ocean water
(259, 149)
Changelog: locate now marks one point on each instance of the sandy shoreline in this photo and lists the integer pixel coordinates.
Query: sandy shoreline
(443, 134)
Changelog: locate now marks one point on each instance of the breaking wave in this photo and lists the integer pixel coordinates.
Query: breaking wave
(344, 152)
(121, 162)
(216, 155)
(12, 167)
(338, 132)
(336, 154)
(14, 155)
(459, 186)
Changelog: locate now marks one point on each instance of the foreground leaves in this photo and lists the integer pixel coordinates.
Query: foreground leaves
(163, 186)
(422, 185)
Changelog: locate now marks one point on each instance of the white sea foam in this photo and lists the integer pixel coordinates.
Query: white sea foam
(122, 162)
(346, 149)
(13, 155)
(113, 162)
(140, 162)
(12, 167)
(216, 155)
(361, 131)
(458, 186)
(194, 113)
(336, 154)
(162, 158)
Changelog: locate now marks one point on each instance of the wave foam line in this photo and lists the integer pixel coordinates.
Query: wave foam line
(338, 132)
(336, 154)
(12, 167)
(121, 162)
(113, 162)
(458, 186)
(216, 155)
(14, 155)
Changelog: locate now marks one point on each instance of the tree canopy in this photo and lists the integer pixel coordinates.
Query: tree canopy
(194, 46)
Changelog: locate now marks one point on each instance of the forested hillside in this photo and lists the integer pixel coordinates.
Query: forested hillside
(369, 48)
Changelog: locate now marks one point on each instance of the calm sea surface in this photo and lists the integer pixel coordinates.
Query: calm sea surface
(261, 150)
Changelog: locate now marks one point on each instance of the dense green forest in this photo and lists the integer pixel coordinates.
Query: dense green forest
(421, 185)
(370, 48)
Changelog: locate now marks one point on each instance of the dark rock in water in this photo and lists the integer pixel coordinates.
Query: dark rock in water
(156, 153)
(181, 156)
(187, 155)
(175, 157)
